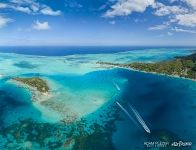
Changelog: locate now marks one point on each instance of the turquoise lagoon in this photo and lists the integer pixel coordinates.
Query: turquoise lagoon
(80, 110)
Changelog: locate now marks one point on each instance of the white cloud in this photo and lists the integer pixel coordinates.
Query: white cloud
(49, 11)
(180, 14)
(3, 5)
(30, 7)
(4, 21)
(186, 19)
(41, 25)
(163, 10)
(126, 7)
(35, 7)
(21, 1)
(176, 29)
(191, 3)
(176, 12)
(159, 27)
(22, 9)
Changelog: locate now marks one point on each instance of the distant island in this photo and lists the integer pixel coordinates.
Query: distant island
(184, 66)
(34, 82)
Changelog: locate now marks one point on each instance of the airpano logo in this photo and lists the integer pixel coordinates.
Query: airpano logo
(159, 144)
(181, 144)
(163, 144)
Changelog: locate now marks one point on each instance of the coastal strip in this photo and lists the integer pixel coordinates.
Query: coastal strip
(34, 82)
(184, 67)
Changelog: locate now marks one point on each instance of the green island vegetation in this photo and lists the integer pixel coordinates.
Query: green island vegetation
(180, 66)
(35, 82)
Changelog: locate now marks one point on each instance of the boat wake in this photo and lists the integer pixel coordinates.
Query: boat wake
(126, 112)
(116, 85)
(139, 118)
(136, 116)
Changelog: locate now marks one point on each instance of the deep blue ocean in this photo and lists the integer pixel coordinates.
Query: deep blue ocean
(71, 50)
(166, 103)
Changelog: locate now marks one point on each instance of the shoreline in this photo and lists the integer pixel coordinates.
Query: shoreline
(36, 96)
(154, 73)
(183, 67)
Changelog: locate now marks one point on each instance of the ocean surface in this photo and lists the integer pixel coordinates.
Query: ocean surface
(80, 111)
(71, 50)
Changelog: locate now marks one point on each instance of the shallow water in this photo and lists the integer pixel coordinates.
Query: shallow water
(82, 96)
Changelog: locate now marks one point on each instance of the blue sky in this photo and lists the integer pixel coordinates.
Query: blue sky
(98, 22)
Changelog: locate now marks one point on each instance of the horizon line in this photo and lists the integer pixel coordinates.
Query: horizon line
(97, 45)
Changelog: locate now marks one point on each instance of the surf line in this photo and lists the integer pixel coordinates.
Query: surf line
(139, 118)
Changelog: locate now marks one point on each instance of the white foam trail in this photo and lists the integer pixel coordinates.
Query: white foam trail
(139, 118)
(116, 85)
(126, 112)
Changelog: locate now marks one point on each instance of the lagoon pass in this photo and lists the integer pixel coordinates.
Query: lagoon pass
(80, 110)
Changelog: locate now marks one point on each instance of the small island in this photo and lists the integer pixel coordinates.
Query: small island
(180, 66)
(34, 82)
